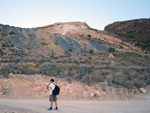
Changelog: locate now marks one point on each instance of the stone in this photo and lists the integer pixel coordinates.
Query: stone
(34, 65)
(142, 90)
(111, 56)
(92, 94)
(97, 94)
(84, 96)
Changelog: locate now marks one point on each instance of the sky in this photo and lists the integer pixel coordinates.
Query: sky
(96, 13)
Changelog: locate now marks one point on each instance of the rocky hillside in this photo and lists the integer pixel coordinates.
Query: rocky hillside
(73, 51)
(136, 32)
(61, 39)
(82, 31)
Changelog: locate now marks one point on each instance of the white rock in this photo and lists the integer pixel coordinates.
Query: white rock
(92, 94)
(111, 56)
(143, 90)
(97, 93)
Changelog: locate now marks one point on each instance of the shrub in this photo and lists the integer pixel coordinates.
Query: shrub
(89, 35)
(76, 62)
(139, 83)
(70, 50)
(1, 52)
(91, 52)
(148, 81)
(128, 84)
(111, 49)
(48, 69)
(44, 43)
(4, 70)
(29, 70)
(12, 33)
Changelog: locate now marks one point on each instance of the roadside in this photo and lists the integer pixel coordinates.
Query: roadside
(140, 105)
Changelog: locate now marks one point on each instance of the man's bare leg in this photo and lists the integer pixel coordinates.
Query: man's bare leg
(51, 104)
(56, 104)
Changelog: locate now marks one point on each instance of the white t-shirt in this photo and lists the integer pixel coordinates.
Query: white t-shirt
(51, 87)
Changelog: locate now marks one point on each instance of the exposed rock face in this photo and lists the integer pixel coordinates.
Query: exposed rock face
(60, 39)
(76, 29)
(133, 31)
(42, 43)
(83, 31)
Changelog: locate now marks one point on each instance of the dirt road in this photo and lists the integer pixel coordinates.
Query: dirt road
(141, 105)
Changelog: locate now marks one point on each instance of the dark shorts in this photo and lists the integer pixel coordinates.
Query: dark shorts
(53, 98)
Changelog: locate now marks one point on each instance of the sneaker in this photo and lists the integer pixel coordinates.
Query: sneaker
(50, 108)
(56, 108)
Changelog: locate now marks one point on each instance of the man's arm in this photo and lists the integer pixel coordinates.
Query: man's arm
(48, 86)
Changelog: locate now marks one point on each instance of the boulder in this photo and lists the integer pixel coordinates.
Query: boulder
(111, 56)
(84, 96)
(97, 94)
(142, 90)
(1, 93)
(92, 94)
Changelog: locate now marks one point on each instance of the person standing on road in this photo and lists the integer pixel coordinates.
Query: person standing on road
(52, 98)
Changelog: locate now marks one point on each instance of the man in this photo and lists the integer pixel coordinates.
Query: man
(52, 98)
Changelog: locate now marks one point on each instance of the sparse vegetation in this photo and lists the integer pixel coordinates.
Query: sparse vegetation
(89, 35)
(111, 49)
(12, 33)
(70, 50)
(91, 52)
(126, 69)
(43, 43)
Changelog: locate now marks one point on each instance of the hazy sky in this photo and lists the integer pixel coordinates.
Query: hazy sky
(96, 13)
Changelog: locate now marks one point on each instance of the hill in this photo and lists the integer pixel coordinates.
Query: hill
(136, 32)
(73, 51)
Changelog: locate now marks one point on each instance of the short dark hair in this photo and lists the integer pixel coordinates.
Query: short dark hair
(52, 80)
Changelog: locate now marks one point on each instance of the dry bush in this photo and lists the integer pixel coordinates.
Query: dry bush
(139, 83)
(4, 71)
(48, 69)
(128, 84)
(29, 70)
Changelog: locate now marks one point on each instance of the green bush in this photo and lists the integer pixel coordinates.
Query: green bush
(111, 49)
(70, 50)
(44, 43)
(12, 33)
(91, 52)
